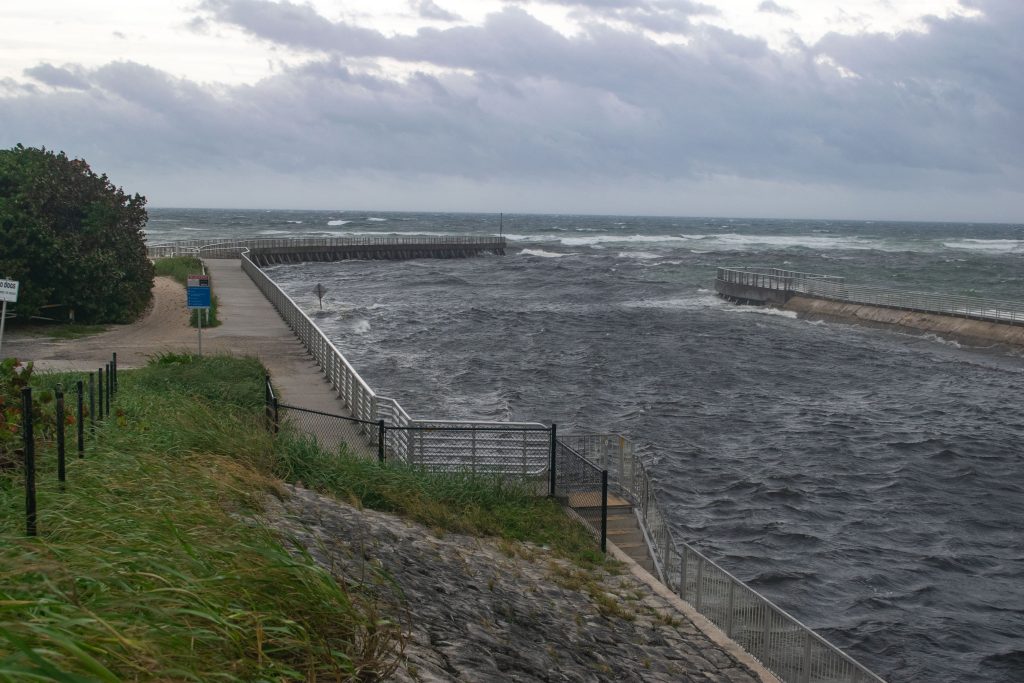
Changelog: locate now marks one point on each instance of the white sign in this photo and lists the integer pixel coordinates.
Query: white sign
(9, 290)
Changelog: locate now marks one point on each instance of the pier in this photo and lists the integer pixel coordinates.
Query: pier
(268, 252)
(783, 288)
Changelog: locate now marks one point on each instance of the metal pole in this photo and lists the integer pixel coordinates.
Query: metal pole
(30, 461)
(110, 385)
(381, 432)
(199, 319)
(604, 511)
(277, 425)
(99, 389)
(113, 366)
(3, 319)
(61, 465)
(92, 403)
(81, 421)
(551, 460)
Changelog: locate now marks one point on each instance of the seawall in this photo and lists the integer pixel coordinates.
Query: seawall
(960, 329)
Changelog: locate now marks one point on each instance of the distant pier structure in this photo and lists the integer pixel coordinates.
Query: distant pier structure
(797, 291)
(267, 252)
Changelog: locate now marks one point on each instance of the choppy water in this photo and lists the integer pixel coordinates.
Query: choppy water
(870, 482)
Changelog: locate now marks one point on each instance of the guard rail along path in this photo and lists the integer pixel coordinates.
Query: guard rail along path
(776, 286)
(784, 645)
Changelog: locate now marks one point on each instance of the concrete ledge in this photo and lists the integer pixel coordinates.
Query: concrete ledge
(961, 329)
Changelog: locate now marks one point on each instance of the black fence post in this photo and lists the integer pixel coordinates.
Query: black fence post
(99, 390)
(30, 461)
(81, 421)
(604, 511)
(277, 424)
(61, 463)
(381, 434)
(110, 389)
(113, 366)
(92, 404)
(551, 460)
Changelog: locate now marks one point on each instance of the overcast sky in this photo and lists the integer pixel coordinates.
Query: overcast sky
(903, 109)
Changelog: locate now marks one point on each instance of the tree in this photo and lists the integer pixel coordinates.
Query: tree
(71, 238)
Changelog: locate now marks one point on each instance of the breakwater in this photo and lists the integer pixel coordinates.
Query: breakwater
(820, 296)
(266, 252)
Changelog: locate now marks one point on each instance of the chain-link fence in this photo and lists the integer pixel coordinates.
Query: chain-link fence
(333, 433)
(583, 486)
(521, 450)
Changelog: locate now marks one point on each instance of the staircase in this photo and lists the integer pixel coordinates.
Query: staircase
(623, 527)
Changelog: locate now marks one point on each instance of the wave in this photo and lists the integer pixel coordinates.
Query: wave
(294, 222)
(989, 246)
(377, 220)
(643, 255)
(274, 232)
(337, 222)
(763, 310)
(542, 253)
(692, 303)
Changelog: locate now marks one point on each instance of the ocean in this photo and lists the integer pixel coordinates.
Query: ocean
(868, 481)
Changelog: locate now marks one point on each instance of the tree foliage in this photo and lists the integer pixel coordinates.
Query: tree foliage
(71, 238)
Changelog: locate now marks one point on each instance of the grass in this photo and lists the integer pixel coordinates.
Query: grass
(55, 330)
(461, 503)
(179, 268)
(145, 568)
(148, 566)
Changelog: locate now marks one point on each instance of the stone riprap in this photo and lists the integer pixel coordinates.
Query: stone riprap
(476, 609)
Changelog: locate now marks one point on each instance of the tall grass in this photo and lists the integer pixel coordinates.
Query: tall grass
(146, 568)
(148, 565)
(179, 268)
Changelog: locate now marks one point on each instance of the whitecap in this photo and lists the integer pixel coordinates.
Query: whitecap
(763, 310)
(337, 222)
(294, 222)
(542, 253)
(376, 220)
(643, 255)
(360, 326)
(991, 246)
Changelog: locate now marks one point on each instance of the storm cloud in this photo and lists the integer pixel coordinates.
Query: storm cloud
(513, 101)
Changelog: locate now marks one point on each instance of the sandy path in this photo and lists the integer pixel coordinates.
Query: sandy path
(163, 328)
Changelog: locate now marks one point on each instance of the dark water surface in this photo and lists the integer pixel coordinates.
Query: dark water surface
(869, 482)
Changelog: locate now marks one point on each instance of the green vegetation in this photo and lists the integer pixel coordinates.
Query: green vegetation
(61, 331)
(461, 503)
(179, 268)
(147, 568)
(71, 238)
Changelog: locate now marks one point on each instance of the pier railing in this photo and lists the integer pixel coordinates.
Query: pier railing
(221, 248)
(783, 644)
(837, 289)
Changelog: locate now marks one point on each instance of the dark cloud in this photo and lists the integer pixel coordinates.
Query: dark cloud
(775, 8)
(431, 10)
(513, 101)
(57, 77)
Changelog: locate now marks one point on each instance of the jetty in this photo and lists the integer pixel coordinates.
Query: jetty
(820, 296)
(268, 252)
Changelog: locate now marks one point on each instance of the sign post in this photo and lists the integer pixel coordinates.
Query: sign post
(8, 292)
(198, 292)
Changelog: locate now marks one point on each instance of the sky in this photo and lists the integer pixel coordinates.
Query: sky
(869, 109)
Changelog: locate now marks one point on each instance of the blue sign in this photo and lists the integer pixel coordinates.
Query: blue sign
(198, 297)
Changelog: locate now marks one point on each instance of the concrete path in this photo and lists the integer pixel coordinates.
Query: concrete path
(250, 327)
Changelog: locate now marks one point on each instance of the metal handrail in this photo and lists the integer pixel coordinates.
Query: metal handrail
(782, 643)
(836, 289)
(234, 248)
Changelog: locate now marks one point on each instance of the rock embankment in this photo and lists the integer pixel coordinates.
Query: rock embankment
(484, 610)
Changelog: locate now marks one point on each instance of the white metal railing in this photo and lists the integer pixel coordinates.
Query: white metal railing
(837, 289)
(221, 248)
(783, 644)
(508, 448)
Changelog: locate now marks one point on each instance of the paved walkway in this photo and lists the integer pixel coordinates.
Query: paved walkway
(250, 327)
